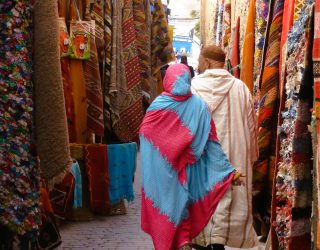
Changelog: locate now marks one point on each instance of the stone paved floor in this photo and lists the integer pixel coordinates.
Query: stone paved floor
(110, 233)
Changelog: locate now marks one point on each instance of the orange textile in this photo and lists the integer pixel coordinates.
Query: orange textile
(80, 101)
(45, 201)
(247, 64)
(78, 87)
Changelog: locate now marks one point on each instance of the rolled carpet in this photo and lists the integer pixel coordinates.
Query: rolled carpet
(50, 114)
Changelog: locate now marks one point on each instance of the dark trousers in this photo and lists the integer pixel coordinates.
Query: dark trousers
(215, 247)
(210, 247)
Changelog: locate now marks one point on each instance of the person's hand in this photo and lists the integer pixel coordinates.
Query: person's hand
(237, 179)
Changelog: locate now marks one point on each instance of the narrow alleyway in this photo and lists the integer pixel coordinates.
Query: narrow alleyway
(110, 233)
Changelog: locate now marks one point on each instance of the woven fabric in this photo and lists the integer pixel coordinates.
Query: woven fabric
(286, 26)
(220, 24)
(52, 138)
(79, 87)
(19, 174)
(267, 114)
(262, 12)
(130, 97)
(316, 74)
(142, 23)
(96, 158)
(161, 46)
(184, 170)
(226, 29)
(298, 6)
(292, 208)
(247, 63)
(95, 11)
(77, 195)
(67, 86)
(95, 119)
(235, 54)
(108, 48)
(122, 166)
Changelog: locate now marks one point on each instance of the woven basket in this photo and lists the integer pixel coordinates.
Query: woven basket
(77, 151)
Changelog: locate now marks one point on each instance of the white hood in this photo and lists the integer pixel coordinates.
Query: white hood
(213, 86)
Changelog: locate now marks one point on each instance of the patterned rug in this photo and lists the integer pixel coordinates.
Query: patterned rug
(131, 109)
(142, 23)
(267, 118)
(19, 173)
(291, 207)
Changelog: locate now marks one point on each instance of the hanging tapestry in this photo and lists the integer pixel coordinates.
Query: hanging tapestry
(267, 121)
(93, 90)
(247, 63)
(19, 173)
(129, 96)
(293, 191)
(96, 159)
(161, 46)
(226, 30)
(142, 22)
(235, 56)
(262, 13)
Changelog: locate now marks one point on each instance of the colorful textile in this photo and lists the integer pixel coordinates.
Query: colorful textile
(235, 56)
(77, 195)
(142, 23)
(286, 26)
(231, 106)
(108, 49)
(61, 196)
(106, 69)
(65, 69)
(131, 109)
(184, 170)
(293, 191)
(316, 73)
(52, 140)
(114, 76)
(49, 236)
(96, 159)
(247, 63)
(68, 99)
(79, 99)
(220, 24)
(215, 23)
(267, 118)
(19, 173)
(262, 12)
(94, 90)
(226, 30)
(122, 166)
(161, 46)
(95, 11)
(78, 86)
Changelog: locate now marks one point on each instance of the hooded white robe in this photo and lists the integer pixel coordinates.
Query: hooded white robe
(231, 104)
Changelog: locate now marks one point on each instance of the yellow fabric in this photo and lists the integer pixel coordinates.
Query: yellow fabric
(79, 88)
(247, 64)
